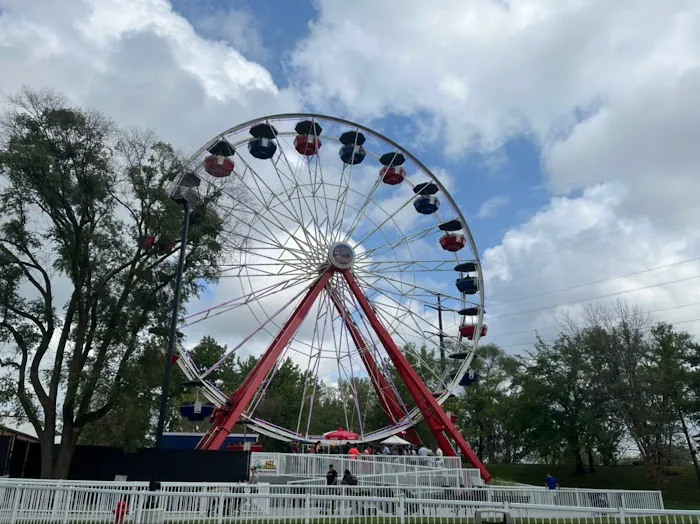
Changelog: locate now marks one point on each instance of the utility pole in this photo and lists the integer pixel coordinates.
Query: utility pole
(441, 334)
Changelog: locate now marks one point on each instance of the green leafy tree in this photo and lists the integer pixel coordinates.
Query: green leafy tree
(672, 377)
(487, 408)
(78, 285)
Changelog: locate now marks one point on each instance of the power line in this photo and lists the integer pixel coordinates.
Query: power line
(608, 295)
(547, 328)
(694, 259)
(624, 228)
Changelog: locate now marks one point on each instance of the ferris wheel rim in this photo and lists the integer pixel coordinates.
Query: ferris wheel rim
(413, 416)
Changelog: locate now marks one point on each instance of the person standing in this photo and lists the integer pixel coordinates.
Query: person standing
(253, 476)
(551, 482)
(331, 476)
(121, 511)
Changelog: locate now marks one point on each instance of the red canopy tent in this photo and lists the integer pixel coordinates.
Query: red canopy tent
(341, 434)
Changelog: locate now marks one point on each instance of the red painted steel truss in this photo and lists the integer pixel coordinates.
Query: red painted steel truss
(438, 421)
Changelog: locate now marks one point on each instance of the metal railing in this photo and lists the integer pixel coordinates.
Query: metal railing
(590, 498)
(314, 465)
(262, 503)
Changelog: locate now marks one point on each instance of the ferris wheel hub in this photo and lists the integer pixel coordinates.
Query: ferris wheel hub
(341, 255)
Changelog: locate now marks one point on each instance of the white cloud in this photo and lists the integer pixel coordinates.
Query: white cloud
(493, 205)
(568, 255)
(139, 62)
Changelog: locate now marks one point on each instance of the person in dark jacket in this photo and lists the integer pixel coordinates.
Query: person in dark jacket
(348, 479)
(331, 475)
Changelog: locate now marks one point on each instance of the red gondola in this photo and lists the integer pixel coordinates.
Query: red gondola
(307, 145)
(452, 242)
(218, 166)
(393, 175)
(468, 330)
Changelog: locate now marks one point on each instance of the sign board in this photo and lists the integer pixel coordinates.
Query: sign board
(120, 478)
(265, 466)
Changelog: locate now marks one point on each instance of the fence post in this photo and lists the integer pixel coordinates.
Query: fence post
(15, 505)
(307, 512)
(622, 515)
(402, 508)
(220, 509)
(68, 502)
(139, 508)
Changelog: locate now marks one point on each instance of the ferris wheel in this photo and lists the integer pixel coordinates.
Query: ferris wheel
(340, 243)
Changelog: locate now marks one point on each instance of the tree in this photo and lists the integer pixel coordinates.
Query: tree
(672, 377)
(487, 408)
(562, 408)
(78, 284)
(616, 339)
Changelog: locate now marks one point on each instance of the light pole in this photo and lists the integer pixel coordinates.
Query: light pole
(185, 194)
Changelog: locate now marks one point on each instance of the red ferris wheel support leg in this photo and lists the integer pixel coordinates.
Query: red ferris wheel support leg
(438, 421)
(388, 398)
(230, 413)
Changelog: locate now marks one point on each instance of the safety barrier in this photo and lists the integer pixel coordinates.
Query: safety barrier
(314, 465)
(264, 503)
(590, 498)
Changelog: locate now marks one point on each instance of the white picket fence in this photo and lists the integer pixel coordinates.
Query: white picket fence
(37, 503)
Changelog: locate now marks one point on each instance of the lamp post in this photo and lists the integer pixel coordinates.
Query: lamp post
(185, 193)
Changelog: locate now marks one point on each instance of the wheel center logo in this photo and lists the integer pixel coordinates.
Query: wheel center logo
(341, 255)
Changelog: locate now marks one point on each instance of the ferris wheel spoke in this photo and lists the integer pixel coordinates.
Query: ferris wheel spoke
(310, 240)
(396, 281)
(388, 396)
(322, 313)
(356, 221)
(337, 342)
(400, 266)
(297, 182)
(300, 195)
(417, 330)
(245, 300)
(312, 366)
(396, 243)
(255, 332)
(268, 217)
(419, 321)
(343, 192)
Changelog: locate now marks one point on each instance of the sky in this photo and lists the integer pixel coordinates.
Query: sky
(568, 128)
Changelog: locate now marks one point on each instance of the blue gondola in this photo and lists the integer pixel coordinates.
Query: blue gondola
(196, 412)
(262, 148)
(352, 154)
(426, 205)
(263, 145)
(470, 377)
(467, 285)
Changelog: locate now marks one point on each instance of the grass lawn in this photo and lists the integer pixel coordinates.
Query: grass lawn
(681, 490)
